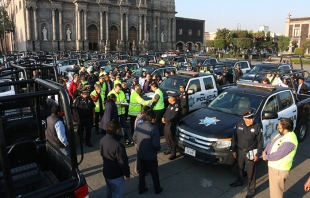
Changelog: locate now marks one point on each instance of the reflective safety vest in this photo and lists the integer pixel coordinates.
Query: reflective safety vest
(103, 86)
(286, 162)
(117, 82)
(120, 98)
(97, 103)
(202, 70)
(136, 103)
(160, 103)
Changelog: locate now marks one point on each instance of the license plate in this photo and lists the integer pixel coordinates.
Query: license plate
(190, 151)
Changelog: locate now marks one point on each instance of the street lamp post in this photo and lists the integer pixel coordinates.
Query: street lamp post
(238, 26)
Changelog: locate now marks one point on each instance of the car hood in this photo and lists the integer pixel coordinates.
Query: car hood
(210, 123)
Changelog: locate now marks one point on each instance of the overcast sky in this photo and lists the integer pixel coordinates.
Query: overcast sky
(243, 13)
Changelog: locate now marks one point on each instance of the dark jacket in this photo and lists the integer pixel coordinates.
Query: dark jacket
(303, 89)
(107, 88)
(115, 159)
(248, 138)
(50, 132)
(110, 113)
(146, 136)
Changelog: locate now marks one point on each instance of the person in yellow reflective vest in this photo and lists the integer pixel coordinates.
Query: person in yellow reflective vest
(121, 103)
(98, 98)
(158, 107)
(102, 84)
(117, 80)
(135, 106)
(280, 153)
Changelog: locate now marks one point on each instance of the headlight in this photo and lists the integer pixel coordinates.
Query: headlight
(223, 143)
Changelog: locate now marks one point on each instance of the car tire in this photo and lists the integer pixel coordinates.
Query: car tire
(301, 130)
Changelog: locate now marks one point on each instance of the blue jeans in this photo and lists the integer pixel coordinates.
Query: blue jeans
(115, 187)
(122, 120)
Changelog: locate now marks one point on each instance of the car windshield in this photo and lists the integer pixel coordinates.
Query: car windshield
(173, 84)
(259, 68)
(148, 70)
(235, 103)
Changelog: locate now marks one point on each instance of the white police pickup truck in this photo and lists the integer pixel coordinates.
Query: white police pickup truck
(201, 88)
(206, 134)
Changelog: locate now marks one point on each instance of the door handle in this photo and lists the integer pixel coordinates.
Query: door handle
(294, 111)
(201, 94)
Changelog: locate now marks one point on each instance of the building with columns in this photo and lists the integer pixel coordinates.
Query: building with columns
(298, 29)
(100, 25)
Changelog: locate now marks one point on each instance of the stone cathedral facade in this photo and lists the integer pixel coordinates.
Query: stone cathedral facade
(99, 25)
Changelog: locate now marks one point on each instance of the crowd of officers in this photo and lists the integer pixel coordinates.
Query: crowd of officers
(89, 94)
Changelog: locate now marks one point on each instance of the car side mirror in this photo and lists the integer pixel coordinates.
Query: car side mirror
(190, 92)
(269, 115)
(59, 65)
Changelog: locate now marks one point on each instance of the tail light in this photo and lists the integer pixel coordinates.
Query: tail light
(82, 192)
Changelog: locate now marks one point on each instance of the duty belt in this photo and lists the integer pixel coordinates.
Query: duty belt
(244, 150)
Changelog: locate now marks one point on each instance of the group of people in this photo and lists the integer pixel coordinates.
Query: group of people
(291, 82)
(247, 147)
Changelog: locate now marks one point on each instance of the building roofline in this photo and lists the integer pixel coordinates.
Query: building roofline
(189, 19)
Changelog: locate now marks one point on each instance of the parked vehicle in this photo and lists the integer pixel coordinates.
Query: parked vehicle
(30, 165)
(153, 69)
(283, 68)
(201, 88)
(65, 64)
(205, 135)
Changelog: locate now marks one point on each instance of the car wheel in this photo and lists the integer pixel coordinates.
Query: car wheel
(301, 130)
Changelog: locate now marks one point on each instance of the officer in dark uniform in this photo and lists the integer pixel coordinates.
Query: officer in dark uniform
(247, 146)
(86, 109)
(170, 119)
(224, 75)
(183, 101)
(127, 92)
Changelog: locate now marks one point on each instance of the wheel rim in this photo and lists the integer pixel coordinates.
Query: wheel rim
(302, 131)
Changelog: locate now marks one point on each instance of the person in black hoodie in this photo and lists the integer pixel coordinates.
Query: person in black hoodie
(146, 136)
(115, 161)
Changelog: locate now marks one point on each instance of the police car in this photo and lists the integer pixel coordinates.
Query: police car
(206, 134)
(201, 88)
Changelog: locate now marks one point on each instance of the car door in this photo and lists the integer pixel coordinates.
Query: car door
(283, 104)
(269, 126)
(209, 89)
(244, 65)
(195, 100)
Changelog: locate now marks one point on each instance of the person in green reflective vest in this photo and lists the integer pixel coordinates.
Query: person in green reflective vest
(280, 154)
(120, 103)
(135, 106)
(158, 106)
(98, 97)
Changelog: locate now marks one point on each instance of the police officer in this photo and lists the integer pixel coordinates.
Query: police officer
(86, 109)
(224, 75)
(247, 146)
(183, 101)
(170, 119)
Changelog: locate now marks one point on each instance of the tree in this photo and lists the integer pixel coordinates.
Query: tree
(220, 43)
(6, 24)
(223, 34)
(306, 45)
(243, 43)
(209, 43)
(283, 43)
